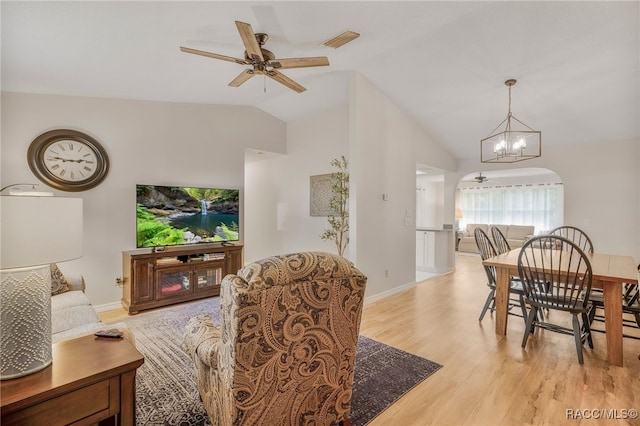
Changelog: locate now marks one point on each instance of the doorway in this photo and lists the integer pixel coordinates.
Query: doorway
(429, 220)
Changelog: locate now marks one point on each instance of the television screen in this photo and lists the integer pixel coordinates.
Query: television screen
(173, 215)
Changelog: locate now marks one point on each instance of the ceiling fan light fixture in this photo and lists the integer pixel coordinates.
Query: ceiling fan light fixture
(515, 142)
(341, 39)
(261, 60)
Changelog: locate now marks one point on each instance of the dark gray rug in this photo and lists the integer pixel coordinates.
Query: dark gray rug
(166, 392)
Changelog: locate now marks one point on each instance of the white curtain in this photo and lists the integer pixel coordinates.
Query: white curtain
(540, 205)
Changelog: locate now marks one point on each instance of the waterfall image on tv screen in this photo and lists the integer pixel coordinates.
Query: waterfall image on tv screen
(173, 215)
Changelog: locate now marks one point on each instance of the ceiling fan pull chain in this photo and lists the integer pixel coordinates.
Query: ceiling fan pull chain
(265, 83)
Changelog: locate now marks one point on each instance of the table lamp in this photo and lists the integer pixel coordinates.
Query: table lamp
(458, 216)
(36, 229)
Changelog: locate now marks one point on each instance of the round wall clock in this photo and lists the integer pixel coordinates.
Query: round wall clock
(68, 160)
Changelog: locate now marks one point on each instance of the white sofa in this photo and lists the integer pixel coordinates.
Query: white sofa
(72, 314)
(516, 235)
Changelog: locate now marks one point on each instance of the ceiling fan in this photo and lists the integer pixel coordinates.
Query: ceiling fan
(480, 178)
(262, 61)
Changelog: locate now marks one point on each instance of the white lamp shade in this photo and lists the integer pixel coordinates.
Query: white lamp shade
(39, 230)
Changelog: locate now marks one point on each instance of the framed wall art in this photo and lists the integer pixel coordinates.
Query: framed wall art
(320, 194)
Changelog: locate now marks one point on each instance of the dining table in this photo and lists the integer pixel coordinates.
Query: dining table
(609, 271)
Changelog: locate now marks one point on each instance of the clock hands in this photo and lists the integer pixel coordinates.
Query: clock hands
(65, 160)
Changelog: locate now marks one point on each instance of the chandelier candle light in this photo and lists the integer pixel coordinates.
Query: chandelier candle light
(516, 142)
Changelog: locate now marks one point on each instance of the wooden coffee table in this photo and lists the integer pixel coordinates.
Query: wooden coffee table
(91, 380)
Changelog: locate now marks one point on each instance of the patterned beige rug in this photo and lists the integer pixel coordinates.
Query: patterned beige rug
(166, 392)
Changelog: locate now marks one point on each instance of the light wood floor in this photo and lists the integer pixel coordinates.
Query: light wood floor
(487, 379)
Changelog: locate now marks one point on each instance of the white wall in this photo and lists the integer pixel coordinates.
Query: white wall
(384, 147)
(277, 189)
(429, 202)
(262, 208)
(147, 142)
(601, 194)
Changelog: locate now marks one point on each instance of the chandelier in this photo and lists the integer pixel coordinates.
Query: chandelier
(516, 142)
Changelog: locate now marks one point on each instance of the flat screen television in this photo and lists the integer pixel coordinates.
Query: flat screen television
(176, 215)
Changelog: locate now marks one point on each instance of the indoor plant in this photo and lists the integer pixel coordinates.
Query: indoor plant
(339, 205)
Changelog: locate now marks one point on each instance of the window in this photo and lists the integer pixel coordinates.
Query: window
(540, 205)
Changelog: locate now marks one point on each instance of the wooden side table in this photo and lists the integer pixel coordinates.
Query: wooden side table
(91, 380)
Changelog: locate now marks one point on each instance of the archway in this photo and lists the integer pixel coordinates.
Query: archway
(532, 197)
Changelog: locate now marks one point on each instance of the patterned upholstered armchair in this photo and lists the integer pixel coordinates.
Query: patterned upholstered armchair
(285, 349)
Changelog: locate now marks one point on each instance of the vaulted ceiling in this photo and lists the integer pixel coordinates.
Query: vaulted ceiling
(443, 62)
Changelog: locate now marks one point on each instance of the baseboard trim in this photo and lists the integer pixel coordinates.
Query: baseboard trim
(108, 307)
(388, 293)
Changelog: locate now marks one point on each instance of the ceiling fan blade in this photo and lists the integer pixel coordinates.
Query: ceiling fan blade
(283, 79)
(214, 55)
(242, 77)
(318, 61)
(249, 39)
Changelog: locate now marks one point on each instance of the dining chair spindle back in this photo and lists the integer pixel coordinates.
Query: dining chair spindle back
(502, 245)
(516, 293)
(576, 235)
(556, 274)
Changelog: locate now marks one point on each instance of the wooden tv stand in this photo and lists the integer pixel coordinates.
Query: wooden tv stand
(153, 278)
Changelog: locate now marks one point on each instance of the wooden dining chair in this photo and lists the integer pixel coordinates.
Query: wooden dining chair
(516, 293)
(502, 245)
(556, 274)
(630, 303)
(630, 306)
(577, 235)
(583, 241)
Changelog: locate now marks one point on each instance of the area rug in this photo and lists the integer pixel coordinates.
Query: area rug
(166, 392)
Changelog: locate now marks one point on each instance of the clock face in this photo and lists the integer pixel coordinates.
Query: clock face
(68, 160)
